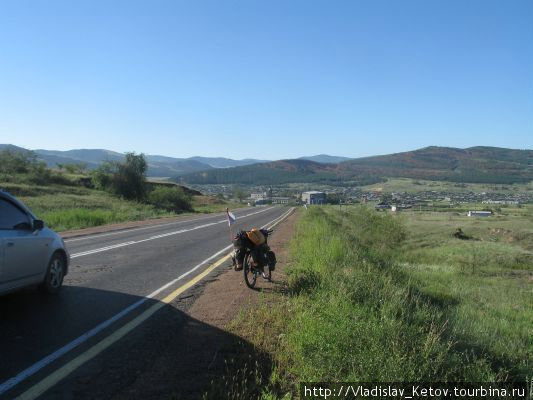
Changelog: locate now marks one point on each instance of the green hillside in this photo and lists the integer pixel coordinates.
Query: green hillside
(278, 172)
(475, 164)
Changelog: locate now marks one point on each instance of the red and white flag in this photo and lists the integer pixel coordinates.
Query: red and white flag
(231, 217)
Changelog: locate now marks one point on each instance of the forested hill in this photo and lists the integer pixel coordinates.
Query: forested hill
(284, 171)
(474, 164)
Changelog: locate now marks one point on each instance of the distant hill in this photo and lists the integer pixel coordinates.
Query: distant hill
(221, 162)
(85, 155)
(284, 171)
(174, 168)
(50, 159)
(157, 165)
(325, 159)
(92, 158)
(475, 164)
(11, 147)
(278, 172)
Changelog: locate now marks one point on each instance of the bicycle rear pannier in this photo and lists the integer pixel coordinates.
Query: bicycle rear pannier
(271, 257)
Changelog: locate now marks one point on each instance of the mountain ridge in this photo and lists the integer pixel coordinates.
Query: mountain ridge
(158, 165)
(473, 164)
(326, 159)
(482, 164)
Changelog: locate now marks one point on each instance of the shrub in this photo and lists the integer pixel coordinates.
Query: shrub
(23, 166)
(170, 199)
(126, 179)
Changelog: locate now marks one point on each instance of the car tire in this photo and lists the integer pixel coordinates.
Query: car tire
(53, 280)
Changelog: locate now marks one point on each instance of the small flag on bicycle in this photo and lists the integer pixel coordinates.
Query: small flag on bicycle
(231, 217)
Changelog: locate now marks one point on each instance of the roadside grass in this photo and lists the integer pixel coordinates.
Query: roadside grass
(249, 375)
(64, 211)
(208, 204)
(66, 207)
(380, 297)
(359, 317)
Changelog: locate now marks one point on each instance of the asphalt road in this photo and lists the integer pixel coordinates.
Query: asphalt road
(113, 277)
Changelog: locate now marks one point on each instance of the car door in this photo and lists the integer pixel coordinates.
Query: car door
(1, 258)
(25, 251)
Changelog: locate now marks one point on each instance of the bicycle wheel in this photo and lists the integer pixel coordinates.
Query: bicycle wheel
(250, 277)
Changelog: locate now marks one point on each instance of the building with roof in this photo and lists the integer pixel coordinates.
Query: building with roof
(479, 213)
(259, 196)
(280, 200)
(314, 197)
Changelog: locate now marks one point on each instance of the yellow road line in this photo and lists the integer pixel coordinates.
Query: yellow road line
(62, 372)
(38, 389)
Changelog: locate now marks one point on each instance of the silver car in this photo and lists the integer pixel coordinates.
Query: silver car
(30, 253)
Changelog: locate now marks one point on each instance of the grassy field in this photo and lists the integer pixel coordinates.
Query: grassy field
(380, 297)
(485, 284)
(65, 207)
(418, 185)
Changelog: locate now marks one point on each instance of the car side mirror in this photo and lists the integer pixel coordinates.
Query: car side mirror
(38, 224)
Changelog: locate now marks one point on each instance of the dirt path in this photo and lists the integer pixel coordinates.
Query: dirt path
(181, 360)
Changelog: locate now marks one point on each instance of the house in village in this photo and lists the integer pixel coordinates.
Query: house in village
(479, 213)
(314, 197)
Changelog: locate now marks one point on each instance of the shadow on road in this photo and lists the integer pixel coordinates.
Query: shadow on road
(170, 355)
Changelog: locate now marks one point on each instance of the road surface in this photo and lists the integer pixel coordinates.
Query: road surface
(113, 277)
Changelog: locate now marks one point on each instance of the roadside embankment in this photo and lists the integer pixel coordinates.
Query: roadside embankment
(352, 310)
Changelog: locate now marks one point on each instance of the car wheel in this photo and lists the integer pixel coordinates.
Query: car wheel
(54, 274)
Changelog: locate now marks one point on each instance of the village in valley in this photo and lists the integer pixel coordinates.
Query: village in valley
(382, 197)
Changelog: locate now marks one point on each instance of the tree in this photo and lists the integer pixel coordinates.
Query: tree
(239, 194)
(130, 178)
(103, 175)
(126, 179)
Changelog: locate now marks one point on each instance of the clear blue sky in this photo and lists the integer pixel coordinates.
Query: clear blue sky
(266, 79)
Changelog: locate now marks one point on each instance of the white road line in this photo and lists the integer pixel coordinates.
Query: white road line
(99, 235)
(23, 375)
(85, 253)
(132, 242)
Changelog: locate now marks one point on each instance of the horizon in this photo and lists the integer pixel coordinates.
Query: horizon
(274, 159)
(267, 81)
